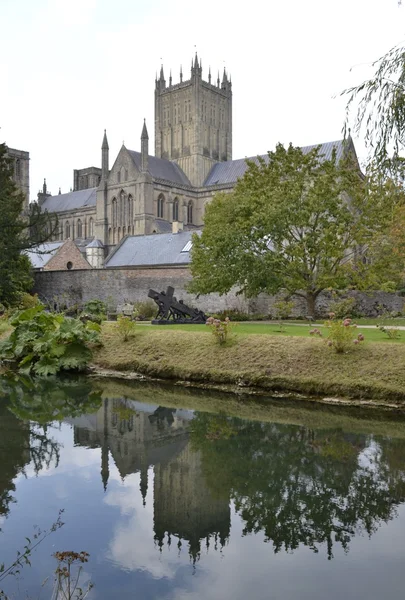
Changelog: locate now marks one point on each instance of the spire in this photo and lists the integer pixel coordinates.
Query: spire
(144, 135)
(218, 81)
(144, 148)
(161, 82)
(196, 65)
(224, 77)
(170, 78)
(105, 142)
(44, 187)
(104, 157)
(181, 74)
(209, 75)
(59, 192)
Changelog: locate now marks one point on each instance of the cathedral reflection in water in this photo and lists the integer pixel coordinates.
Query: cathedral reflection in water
(139, 436)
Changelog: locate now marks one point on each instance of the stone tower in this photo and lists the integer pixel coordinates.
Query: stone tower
(21, 171)
(193, 122)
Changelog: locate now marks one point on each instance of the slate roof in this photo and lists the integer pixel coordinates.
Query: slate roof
(161, 168)
(40, 258)
(157, 249)
(231, 170)
(95, 244)
(70, 201)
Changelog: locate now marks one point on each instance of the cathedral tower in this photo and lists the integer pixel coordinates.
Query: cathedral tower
(193, 122)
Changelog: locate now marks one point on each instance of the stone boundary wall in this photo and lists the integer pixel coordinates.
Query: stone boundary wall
(122, 285)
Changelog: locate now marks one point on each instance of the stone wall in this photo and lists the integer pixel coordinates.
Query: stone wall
(118, 286)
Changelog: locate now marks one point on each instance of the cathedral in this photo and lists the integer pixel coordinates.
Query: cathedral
(145, 194)
(166, 192)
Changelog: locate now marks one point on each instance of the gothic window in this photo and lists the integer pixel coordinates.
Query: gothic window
(176, 209)
(67, 230)
(91, 227)
(160, 206)
(79, 229)
(109, 240)
(130, 210)
(123, 232)
(126, 174)
(114, 239)
(18, 168)
(122, 208)
(190, 212)
(119, 234)
(114, 212)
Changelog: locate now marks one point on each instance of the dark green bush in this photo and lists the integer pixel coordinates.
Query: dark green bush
(44, 343)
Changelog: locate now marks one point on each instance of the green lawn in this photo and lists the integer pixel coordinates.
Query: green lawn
(396, 322)
(247, 328)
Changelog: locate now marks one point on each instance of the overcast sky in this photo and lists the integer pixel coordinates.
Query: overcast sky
(71, 68)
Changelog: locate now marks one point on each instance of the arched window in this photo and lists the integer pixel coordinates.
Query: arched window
(119, 176)
(121, 210)
(123, 232)
(160, 206)
(91, 227)
(130, 210)
(119, 234)
(109, 236)
(176, 209)
(18, 168)
(190, 212)
(114, 239)
(67, 230)
(79, 229)
(114, 212)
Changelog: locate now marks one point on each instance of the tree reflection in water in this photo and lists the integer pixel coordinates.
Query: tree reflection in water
(29, 410)
(301, 486)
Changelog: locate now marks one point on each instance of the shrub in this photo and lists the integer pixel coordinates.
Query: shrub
(126, 327)
(145, 310)
(343, 308)
(283, 309)
(342, 335)
(220, 329)
(28, 301)
(388, 286)
(392, 332)
(231, 313)
(44, 343)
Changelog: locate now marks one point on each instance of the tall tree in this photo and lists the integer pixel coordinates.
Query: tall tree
(294, 222)
(18, 232)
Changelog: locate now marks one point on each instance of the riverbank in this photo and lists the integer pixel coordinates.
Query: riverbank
(257, 362)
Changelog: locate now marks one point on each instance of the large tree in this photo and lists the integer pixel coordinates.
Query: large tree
(19, 231)
(294, 222)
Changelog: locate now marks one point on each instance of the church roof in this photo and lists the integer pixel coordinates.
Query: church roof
(70, 201)
(42, 254)
(232, 170)
(158, 249)
(95, 244)
(160, 168)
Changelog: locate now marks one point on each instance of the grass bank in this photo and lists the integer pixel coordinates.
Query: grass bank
(287, 363)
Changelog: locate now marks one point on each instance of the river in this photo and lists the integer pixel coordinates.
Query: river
(177, 494)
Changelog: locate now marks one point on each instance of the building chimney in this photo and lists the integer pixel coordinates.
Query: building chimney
(177, 226)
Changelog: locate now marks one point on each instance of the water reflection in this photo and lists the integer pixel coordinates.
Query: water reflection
(296, 486)
(139, 436)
